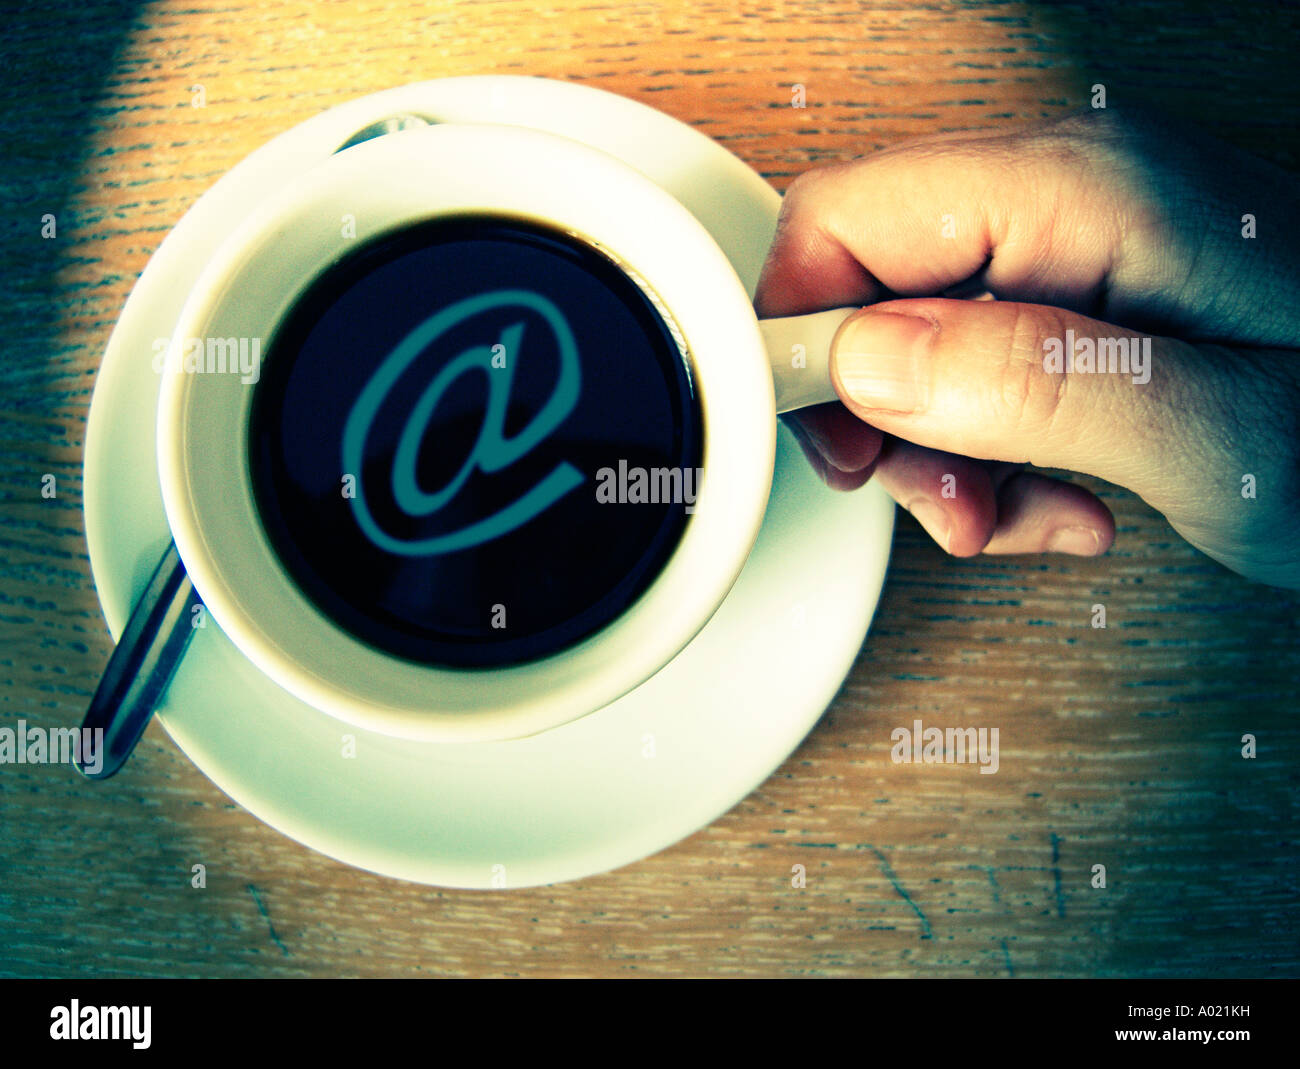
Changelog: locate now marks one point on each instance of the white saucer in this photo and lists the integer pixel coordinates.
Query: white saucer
(625, 782)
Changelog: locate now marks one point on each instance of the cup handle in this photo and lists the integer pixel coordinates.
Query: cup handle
(799, 350)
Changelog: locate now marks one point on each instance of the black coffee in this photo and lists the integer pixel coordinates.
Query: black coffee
(474, 442)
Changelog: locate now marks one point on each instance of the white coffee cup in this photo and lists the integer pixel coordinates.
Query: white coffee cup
(745, 373)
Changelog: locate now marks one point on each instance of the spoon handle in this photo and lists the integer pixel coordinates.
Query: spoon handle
(140, 668)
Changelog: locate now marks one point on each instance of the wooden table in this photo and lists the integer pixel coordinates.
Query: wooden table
(1119, 747)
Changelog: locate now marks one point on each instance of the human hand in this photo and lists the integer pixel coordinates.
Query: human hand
(1091, 228)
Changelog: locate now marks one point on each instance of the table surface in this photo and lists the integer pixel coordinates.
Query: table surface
(1119, 746)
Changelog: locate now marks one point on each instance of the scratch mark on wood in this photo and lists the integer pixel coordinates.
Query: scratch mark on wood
(997, 895)
(889, 875)
(1056, 874)
(1006, 955)
(267, 917)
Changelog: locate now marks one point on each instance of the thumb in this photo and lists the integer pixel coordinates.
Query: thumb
(1023, 383)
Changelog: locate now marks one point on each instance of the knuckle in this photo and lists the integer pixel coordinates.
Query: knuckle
(1083, 131)
(807, 205)
(807, 222)
(801, 192)
(1026, 394)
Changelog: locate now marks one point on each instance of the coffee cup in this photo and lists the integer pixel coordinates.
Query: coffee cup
(469, 431)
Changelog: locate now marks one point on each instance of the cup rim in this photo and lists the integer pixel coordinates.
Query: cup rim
(385, 184)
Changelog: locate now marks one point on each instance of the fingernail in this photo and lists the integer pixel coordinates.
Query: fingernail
(933, 519)
(1079, 541)
(877, 357)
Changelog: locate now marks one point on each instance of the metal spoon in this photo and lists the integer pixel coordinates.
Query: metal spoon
(141, 667)
(390, 125)
(162, 622)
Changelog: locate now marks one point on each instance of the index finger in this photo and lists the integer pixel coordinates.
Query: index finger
(1016, 212)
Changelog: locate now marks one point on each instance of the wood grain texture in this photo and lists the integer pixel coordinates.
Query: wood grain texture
(1118, 747)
